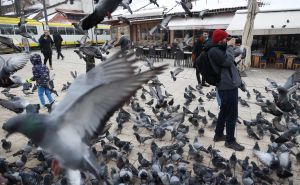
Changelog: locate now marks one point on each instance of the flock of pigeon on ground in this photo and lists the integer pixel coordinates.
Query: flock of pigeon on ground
(64, 140)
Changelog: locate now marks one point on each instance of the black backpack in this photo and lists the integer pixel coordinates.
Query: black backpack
(203, 64)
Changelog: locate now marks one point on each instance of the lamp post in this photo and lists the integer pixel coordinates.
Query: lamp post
(45, 15)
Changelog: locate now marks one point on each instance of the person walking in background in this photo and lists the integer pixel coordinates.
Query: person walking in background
(58, 41)
(46, 42)
(42, 77)
(25, 43)
(222, 59)
(124, 43)
(198, 48)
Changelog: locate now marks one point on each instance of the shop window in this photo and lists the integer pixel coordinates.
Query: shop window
(178, 34)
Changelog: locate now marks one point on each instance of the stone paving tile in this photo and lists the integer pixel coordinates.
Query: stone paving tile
(256, 80)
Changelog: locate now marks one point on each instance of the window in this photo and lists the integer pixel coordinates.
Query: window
(32, 29)
(7, 29)
(70, 31)
(16, 28)
(98, 31)
(52, 30)
(77, 32)
(61, 30)
(178, 34)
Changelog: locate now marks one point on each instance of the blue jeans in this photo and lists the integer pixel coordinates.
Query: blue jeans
(228, 114)
(44, 90)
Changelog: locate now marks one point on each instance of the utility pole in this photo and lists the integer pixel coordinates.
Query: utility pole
(45, 15)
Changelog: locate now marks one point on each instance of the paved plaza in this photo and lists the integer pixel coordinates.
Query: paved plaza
(256, 80)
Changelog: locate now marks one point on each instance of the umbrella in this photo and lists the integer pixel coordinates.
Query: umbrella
(247, 37)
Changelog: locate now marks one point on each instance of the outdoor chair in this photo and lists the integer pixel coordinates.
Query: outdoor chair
(296, 64)
(139, 52)
(279, 63)
(179, 59)
(263, 62)
(153, 54)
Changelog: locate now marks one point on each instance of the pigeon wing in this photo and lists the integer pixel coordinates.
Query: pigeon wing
(97, 95)
(15, 63)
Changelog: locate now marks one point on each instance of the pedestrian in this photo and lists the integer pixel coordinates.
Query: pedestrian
(25, 43)
(197, 49)
(46, 43)
(124, 43)
(58, 41)
(42, 77)
(221, 56)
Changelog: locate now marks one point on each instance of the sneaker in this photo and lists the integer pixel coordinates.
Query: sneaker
(51, 68)
(217, 138)
(234, 145)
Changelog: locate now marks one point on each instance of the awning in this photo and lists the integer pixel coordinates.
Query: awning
(192, 23)
(268, 22)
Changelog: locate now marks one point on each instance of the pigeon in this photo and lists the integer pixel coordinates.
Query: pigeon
(125, 4)
(19, 105)
(9, 43)
(96, 101)
(103, 8)
(78, 27)
(124, 20)
(6, 145)
(268, 159)
(251, 133)
(10, 66)
(163, 25)
(187, 6)
(154, 2)
(141, 139)
(22, 29)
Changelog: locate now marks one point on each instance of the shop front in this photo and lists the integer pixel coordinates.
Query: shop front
(276, 40)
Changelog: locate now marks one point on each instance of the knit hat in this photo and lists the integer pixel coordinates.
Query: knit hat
(219, 35)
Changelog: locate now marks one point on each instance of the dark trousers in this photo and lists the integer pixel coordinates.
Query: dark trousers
(48, 56)
(59, 54)
(228, 113)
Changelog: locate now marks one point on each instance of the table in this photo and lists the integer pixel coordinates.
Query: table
(256, 58)
(289, 60)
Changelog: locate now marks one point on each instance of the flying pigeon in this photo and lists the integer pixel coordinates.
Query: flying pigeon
(125, 4)
(187, 6)
(154, 2)
(9, 67)
(89, 103)
(9, 43)
(104, 8)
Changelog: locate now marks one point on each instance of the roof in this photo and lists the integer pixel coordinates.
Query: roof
(70, 11)
(190, 23)
(210, 5)
(287, 22)
(7, 2)
(49, 17)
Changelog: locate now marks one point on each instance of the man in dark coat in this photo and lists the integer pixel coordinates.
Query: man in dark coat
(124, 43)
(198, 48)
(46, 42)
(57, 41)
(222, 59)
